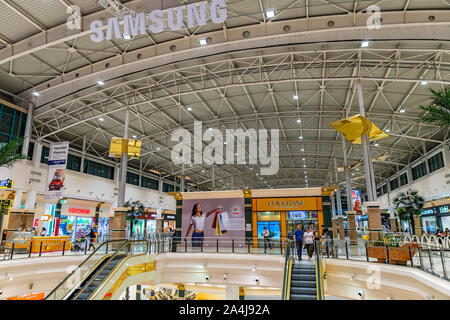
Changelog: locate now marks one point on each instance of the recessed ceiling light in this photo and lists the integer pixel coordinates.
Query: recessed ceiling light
(387, 130)
(158, 148)
(203, 170)
(270, 13)
(202, 42)
(301, 137)
(295, 97)
(376, 144)
(302, 150)
(298, 120)
(189, 109)
(35, 93)
(304, 166)
(101, 119)
(225, 142)
(365, 44)
(100, 83)
(402, 111)
(424, 83)
(134, 136)
(209, 129)
(235, 154)
(303, 159)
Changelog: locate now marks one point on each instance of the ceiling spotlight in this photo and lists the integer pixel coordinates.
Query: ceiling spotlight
(365, 44)
(424, 83)
(387, 130)
(302, 150)
(100, 83)
(101, 119)
(303, 159)
(209, 129)
(304, 166)
(225, 142)
(301, 137)
(126, 36)
(134, 137)
(376, 144)
(35, 93)
(158, 148)
(202, 42)
(270, 13)
(402, 111)
(189, 109)
(298, 120)
(295, 97)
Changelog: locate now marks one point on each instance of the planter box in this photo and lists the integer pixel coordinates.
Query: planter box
(399, 256)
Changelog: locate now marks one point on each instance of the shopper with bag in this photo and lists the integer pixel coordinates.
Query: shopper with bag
(198, 224)
(298, 238)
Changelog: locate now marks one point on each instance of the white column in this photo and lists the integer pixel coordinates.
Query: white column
(213, 182)
(28, 129)
(83, 155)
(367, 154)
(232, 292)
(17, 199)
(35, 177)
(123, 172)
(348, 188)
(338, 191)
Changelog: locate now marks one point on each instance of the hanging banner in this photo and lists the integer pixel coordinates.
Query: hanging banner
(57, 161)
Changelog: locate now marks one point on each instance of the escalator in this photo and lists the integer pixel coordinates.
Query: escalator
(303, 280)
(83, 282)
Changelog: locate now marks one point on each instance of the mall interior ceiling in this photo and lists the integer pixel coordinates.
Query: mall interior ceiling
(266, 67)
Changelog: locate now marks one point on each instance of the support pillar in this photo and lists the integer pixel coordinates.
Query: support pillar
(333, 206)
(35, 177)
(213, 177)
(123, 171)
(117, 224)
(374, 217)
(232, 292)
(418, 225)
(393, 222)
(335, 228)
(348, 187)
(341, 227)
(28, 130)
(352, 227)
(181, 291)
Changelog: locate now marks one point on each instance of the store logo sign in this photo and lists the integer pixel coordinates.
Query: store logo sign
(286, 203)
(82, 211)
(234, 145)
(157, 21)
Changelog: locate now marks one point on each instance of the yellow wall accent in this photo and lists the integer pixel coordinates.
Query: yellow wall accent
(283, 224)
(130, 271)
(210, 296)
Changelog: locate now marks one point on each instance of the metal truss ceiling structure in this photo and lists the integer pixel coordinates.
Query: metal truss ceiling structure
(167, 81)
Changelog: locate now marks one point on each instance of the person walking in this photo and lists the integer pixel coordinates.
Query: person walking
(298, 238)
(172, 239)
(91, 237)
(266, 235)
(309, 242)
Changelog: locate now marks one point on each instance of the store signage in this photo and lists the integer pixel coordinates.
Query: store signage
(169, 217)
(157, 21)
(30, 296)
(78, 210)
(5, 205)
(6, 184)
(288, 204)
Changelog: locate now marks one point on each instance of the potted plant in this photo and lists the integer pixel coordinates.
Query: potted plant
(409, 204)
(390, 247)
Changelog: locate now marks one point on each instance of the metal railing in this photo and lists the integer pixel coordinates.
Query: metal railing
(432, 259)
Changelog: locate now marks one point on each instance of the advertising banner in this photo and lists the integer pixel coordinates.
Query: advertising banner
(57, 161)
(356, 201)
(206, 220)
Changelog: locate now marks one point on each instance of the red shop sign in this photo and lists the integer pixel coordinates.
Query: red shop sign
(76, 210)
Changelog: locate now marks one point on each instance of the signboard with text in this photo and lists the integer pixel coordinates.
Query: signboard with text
(56, 176)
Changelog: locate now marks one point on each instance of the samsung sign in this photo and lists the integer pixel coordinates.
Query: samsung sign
(196, 14)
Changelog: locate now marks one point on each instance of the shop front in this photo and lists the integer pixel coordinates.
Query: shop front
(435, 217)
(169, 221)
(282, 215)
(145, 224)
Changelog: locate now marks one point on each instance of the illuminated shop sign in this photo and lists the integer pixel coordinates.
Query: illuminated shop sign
(77, 210)
(6, 184)
(196, 14)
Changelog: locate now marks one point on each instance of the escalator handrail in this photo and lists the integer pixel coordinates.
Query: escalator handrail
(318, 270)
(81, 264)
(287, 267)
(111, 274)
(107, 262)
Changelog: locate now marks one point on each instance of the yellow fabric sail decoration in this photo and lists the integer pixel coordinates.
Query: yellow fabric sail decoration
(354, 127)
(120, 145)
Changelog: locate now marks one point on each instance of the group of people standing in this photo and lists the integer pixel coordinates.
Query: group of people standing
(305, 239)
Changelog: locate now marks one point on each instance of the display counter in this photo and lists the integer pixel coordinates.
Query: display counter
(23, 240)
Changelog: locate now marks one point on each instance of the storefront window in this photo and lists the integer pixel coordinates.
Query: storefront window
(304, 218)
(445, 222)
(429, 224)
(270, 220)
